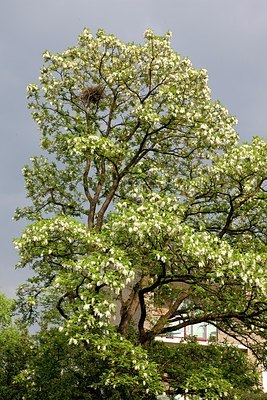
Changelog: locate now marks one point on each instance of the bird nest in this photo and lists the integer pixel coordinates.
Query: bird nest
(91, 94)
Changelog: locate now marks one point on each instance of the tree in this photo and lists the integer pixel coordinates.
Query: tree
(14, 350)
(56, 369)
(210, 372)
(145, 200)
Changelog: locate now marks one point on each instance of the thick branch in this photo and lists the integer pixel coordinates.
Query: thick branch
(59, 307)
(129, 308)
(159, 326)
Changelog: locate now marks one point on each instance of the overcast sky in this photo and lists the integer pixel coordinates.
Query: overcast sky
(227, 37)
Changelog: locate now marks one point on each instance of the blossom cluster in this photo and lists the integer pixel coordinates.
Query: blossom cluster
(149, 85)
(71, 254)
(156, 227)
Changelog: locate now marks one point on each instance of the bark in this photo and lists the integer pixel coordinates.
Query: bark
(130, 307)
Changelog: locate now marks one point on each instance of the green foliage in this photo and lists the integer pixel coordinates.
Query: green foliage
(214, 371)
(15, 347)
(6, 306)
(132, 128)
(254, 396)
(56, 369)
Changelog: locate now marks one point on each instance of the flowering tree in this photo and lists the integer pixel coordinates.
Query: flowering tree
(144, 201)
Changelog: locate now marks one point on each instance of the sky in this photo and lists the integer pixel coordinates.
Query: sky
(227, 37)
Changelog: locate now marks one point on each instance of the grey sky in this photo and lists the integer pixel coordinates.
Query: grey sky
(227, 37)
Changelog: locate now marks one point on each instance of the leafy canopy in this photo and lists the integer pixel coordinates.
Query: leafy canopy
(206, 372)
(142, 195)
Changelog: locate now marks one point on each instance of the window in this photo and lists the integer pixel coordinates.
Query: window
(202, 332)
